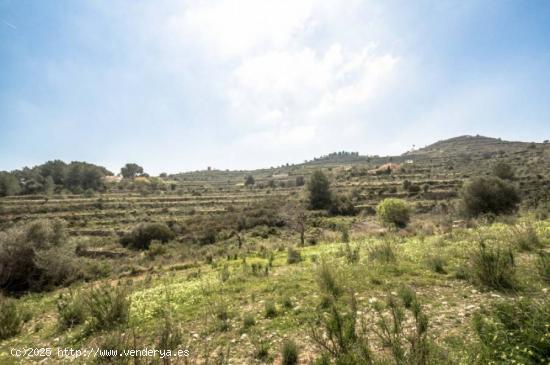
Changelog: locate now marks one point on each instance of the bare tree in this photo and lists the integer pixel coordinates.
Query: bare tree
(295, 216)
(238, 236)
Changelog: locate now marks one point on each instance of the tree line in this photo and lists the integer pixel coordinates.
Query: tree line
(53, 177)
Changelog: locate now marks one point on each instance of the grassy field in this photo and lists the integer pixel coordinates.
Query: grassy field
(209, 302)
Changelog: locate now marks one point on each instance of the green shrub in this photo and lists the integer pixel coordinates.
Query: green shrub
(93, 270)
(327, 280)
(249, 180)
(342, 205)
(10, 318)
(248, 320)
(462, 273)
(503, 171)
(109, 307)
(293, 256)
(9, 184)
(345, 234)
(437, 264)
(493, 266)
(407, 295)
(89, 193)
(393, 212)
(208, 236)
(261, 349)
(543, 265)
(34, 257)
(141, 236)
(542, 210)
(224, 273)
(289, 353)
(156, 248)
(287, 302)
(320, 196)
(382, 252)
(406, 348)
(340, 336)
(71, 309)
(221, 311)
(351, 254)
(515, 331)
(344, 337)
(270, 310)
(488, 195)
(525, 237)
(169, 334)
(114, 343)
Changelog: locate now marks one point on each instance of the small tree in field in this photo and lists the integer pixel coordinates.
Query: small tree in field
(320, 196)
(295, 216)
(393, 213)
(249, 180)
(131, 170)
(9, 185)
(142, 235)
(489, 195)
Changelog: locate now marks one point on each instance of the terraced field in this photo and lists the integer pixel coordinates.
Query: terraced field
(438, 171)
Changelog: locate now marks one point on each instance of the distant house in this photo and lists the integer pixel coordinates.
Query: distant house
(386, 168)
(409, 161)
(112, 179)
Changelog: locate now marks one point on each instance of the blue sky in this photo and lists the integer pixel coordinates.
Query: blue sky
(180, 85)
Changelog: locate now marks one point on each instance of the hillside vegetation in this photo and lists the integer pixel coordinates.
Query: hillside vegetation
(438, 256)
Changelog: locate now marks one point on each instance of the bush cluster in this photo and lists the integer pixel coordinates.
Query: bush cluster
(102, 308)
(543, 265)
(289, 353)
(493, 266)
(393, 213)
(382, 252)
(72, 310)
(321, 196)
(140, 237)
(489, 195)
(35, 257)
(343, 337)
(10, 318)
(342, 205)
(516, 331)
(53, 176)
(503, 171)
(109, 307)
(293, 256)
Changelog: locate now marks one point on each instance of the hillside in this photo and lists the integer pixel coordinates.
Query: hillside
(472, 145)
(437, 172)
(232, 282)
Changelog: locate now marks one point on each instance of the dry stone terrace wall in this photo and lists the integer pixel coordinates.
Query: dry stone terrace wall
(113, 213)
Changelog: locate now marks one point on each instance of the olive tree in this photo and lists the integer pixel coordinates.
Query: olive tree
(320, 196)
(131, 170)
(489, 195)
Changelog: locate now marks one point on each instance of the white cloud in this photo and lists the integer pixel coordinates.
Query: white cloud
(298, 74)
(293, 70)
(304, 90)
(233, 28)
